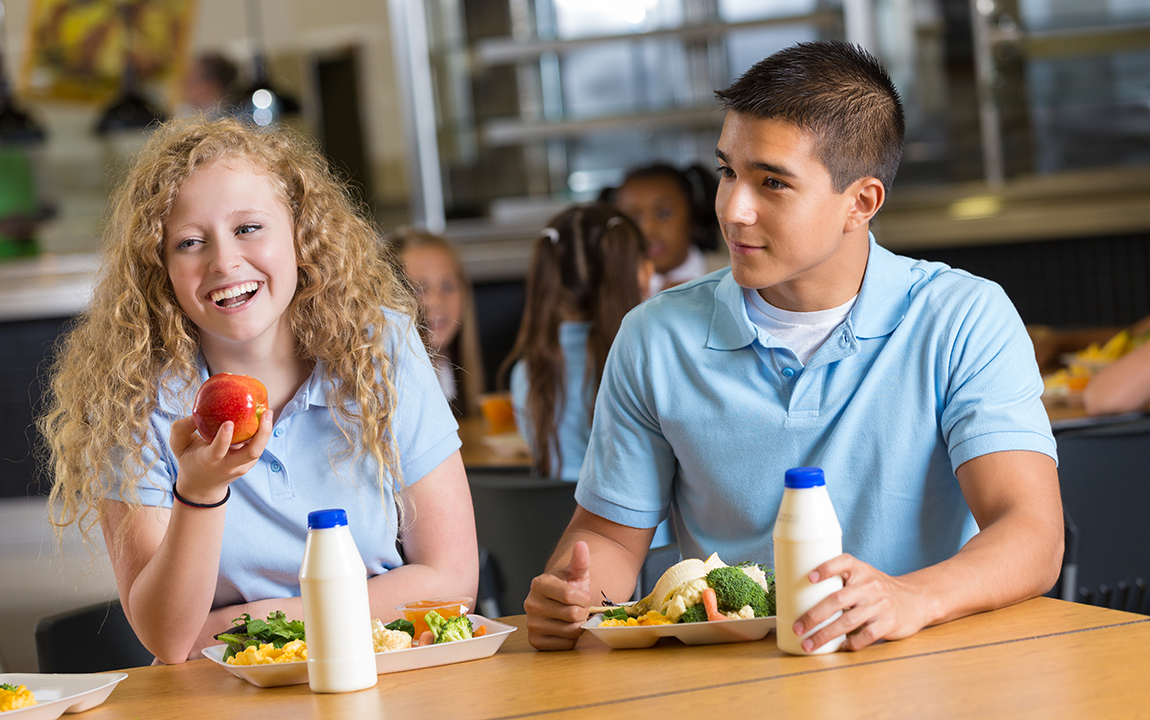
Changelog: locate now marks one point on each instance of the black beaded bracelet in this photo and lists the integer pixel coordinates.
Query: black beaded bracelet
(189, 503)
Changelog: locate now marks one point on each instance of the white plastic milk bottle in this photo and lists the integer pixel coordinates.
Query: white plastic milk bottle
(336, 614)
(806, 534)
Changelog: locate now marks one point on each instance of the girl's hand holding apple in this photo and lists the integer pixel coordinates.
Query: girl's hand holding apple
(206, 469)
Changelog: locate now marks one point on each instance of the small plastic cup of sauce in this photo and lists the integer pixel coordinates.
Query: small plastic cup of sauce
(445, 607)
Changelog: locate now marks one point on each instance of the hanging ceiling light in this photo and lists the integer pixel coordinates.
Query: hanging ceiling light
(130, 110)
(16, 126)
(262, 103)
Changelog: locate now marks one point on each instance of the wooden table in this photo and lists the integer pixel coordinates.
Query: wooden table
(1044, 658)
(479, 455)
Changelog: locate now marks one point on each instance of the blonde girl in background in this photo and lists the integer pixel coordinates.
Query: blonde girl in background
(589, 269)
(441, 285)
(675, 209)
(234, 249)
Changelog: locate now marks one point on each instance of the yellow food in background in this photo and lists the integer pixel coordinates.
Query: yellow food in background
(650, 618)
(1086, 362)
(294, 651)
(1114, 348)
(21, 697)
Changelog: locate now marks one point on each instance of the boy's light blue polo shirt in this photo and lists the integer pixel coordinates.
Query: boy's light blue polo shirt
(301, 471)
(698, 408)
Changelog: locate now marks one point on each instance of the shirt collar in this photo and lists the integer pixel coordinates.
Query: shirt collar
(882, 302)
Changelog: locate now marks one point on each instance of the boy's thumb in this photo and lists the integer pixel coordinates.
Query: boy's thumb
(579, 567)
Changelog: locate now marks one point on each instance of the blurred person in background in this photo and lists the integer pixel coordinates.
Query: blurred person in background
(675, 209)
(589, 269)
(449, 327)
(209, 83)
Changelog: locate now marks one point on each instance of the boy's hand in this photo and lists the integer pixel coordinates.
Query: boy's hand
(559, 603)
(875, 606)
(207, 468)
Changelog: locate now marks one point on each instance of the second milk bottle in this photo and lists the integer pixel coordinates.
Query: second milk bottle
(336, 613)
(806, 535)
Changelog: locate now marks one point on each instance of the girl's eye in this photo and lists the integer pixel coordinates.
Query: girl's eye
(189, 242)
(245, 229)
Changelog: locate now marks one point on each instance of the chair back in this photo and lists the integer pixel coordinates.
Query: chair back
(518, 521)
(1104, 473)
(90, 639)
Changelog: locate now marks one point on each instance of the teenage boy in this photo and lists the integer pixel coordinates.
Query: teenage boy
(914, 386)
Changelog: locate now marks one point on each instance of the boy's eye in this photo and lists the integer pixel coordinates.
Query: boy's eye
(724, 171)
(774, 184)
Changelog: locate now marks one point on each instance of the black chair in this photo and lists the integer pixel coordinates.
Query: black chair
(518, 522)
(1104, 473)
(89, 639)
(1066, 587)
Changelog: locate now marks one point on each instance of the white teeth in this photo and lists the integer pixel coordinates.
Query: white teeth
(231, 292)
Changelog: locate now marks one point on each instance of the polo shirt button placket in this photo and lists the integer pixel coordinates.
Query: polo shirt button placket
(788, 372)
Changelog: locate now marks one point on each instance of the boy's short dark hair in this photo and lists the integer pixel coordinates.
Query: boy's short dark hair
(839, 93)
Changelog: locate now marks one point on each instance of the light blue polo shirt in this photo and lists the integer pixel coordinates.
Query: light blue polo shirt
(700, 409)
(301, 471)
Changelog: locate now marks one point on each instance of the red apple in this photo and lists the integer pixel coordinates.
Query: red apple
(224, 396)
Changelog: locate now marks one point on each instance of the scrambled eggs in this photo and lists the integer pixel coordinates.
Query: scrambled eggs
(266, 654)
(651, 618)
(15, 697)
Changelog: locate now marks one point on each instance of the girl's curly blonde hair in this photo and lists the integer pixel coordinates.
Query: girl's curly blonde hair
(106, 378)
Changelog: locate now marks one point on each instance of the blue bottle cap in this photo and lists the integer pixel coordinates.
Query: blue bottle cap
(322, 519)
(804, 477)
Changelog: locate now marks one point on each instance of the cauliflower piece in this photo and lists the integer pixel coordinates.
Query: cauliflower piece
(688, 594)
(744, 612)
(756, 573)
(386, 640)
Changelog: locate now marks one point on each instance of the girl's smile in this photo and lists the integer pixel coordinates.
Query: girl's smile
(234, 296)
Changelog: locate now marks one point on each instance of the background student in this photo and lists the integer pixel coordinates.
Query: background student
(233, 249)
(447, 303)
(675, 209)
(588, 270)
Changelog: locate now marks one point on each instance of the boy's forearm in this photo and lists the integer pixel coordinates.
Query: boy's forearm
(617, 553)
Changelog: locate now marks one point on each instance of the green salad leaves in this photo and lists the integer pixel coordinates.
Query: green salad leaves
(277, 630)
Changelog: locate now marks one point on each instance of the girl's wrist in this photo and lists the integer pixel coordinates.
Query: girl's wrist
(195, 503)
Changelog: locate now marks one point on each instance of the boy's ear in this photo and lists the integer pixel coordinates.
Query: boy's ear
(868, 194)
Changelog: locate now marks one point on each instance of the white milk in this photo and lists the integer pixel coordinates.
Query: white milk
(806, 535)
(336, 613)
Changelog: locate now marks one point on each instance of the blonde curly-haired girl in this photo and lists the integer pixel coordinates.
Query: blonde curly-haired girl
(235, 249)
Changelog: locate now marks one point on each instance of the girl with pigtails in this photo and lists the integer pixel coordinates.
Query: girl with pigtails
(235, 249)
(588, 270)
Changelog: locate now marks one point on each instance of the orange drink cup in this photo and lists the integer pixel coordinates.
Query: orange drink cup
(496, 408)
(445, 607)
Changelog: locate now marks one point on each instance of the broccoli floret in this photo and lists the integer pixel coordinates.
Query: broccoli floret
(449, 629)
(695, 613)
(733, 590)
